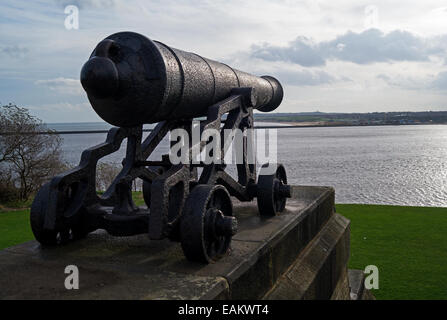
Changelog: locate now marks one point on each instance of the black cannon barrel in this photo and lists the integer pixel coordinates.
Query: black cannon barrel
(132, 80)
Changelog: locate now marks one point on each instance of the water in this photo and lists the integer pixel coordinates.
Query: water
(399, 165)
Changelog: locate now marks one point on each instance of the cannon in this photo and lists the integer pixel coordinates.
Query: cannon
(130, 81)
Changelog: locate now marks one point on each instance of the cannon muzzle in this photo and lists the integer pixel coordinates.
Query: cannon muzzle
(131, 80)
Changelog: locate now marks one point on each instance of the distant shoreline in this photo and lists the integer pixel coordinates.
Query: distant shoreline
(291, 124)
(287, 125)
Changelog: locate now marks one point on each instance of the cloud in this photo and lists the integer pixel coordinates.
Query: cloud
(440, 10)
(64, 112)
(14, 51)
(313, 68)
(367, 47)
(440, 81)
(287, 72)
(374, 46)
(407, 82)
(62, 85)
(301, 51)
(62, 106)
(437, 82)
(305, 77)
(383, 77)
(91, 4)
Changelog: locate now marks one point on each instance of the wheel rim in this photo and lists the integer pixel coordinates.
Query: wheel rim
(270, 193)
(207, 224)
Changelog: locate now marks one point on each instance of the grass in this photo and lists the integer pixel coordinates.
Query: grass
(14, 221)
(138, 198)
(14, 228)
(407, 244)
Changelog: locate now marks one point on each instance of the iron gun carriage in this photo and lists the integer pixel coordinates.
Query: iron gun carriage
(130, 81)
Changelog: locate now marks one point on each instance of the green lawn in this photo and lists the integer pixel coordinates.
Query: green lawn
(407, 244)
(14, 228)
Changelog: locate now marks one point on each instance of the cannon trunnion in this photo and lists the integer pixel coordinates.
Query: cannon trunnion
(131, 80)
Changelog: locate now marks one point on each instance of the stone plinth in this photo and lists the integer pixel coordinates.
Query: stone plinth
(300, 254)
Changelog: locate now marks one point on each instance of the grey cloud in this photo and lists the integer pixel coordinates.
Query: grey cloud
(62, 85)
(383, 77)
(441, 81)
(305, 77)
(405, 82)
(290, 75)
(82, 4)
(369, 46)
(432, 82)
(302, 51)
(14, 51)
(374, 46)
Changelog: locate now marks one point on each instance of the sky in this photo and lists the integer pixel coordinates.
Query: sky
(330, 56)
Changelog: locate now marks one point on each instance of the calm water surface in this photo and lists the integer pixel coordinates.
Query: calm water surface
(401, 165)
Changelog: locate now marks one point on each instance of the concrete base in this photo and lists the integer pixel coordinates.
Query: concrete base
(357, 286)
(300, 254)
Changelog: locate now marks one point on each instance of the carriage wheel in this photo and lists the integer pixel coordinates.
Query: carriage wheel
(39, 209)
(272, 191)
(207, 224)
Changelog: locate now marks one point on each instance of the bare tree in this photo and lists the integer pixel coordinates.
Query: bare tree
(8, 191)
(105, 174)
(30, 156)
